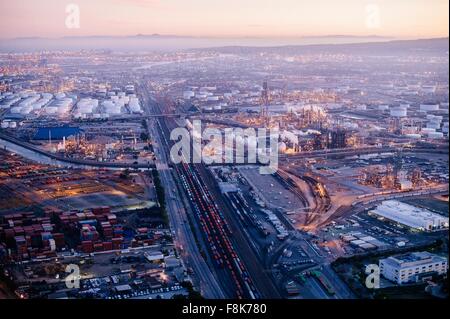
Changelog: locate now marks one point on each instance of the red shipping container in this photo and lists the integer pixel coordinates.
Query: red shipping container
(87, 246)
(73, 219)
(18, 231)
(97, 211)
(9, 233)
(59, 240)
(107, 245)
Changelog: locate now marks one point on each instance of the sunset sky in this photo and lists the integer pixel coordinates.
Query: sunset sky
(223, 18)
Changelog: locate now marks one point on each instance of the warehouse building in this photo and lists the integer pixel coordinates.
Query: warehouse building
(411, 216)
(413, 267)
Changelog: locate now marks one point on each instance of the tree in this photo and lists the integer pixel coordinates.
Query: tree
(144, 136)
(125, 174)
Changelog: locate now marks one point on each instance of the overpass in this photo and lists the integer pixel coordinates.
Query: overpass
(359, 151)
(145, 116)
(340, 152)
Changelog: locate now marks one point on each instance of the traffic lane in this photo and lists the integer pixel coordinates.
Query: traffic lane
(341, 288)
(208, 285)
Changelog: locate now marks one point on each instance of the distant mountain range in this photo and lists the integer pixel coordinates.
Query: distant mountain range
(436, 45)
(157, 42)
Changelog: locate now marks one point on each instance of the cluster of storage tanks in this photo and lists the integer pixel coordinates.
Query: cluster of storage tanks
(25, 103)
(202, 94)
(89, 107)
(29, 102)
(8, 124)
(434, 122)
(61, 105)
(435, 125)
(402, 109)
(399, 111)
(429, 107)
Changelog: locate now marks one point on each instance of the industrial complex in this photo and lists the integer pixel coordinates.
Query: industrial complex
(224, 172)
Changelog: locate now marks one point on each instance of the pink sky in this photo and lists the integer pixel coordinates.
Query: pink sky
(273, 18)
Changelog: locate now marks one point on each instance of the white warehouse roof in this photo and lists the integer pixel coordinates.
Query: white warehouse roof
(411, 216)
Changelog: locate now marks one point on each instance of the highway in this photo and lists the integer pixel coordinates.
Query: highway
(183, 236)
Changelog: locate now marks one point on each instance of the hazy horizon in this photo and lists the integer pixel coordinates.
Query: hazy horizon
(226, 19)
(174, 43)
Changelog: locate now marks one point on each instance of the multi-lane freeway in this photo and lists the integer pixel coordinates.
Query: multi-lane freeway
(184, 238)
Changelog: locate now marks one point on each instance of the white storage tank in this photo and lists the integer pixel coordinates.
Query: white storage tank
(30, 100)
(134, 105)
(427, 130)
(47, 96)
(361, 107)
(188, 95)
(26, 109)
(429, 107)
(398, 112)
(435, 135)
(125, 99)
(16, 109)
(111, 108)
(213, 98)
(86, 105)
(51, 110)
(433, 125)
(60, 96)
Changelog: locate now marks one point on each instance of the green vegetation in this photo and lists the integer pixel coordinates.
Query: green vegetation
(192, 293)
(144, 124)
(125, 174)
(144, 136)
(416, 291)
(351, 270)
(161, 195)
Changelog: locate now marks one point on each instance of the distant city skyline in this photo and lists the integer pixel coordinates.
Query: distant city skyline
(231, 18)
